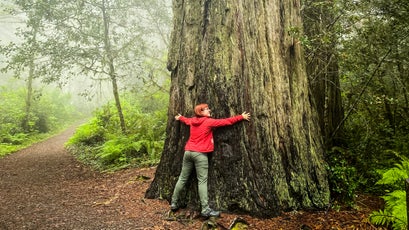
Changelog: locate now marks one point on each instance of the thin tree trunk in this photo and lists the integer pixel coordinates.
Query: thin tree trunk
(29, 98)
(238, 56)
(29, 95)
(112, 73)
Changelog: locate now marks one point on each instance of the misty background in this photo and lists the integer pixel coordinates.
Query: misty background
(89, 91)
(99, 60)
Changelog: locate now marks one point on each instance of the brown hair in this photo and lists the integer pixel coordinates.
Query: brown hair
(199, 108)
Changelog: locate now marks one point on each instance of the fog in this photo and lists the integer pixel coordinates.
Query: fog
(85, 90)
(8, 28)
(9, 25)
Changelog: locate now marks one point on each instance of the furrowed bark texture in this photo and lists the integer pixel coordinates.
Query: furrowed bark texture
(238, 56)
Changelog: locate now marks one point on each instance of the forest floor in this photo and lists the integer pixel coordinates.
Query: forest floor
(44, 187)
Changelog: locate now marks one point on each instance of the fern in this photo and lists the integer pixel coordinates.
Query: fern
(90, 134)
(397, 174)
(381, 218)
(115, 150)
(101, 143)
(394, 214)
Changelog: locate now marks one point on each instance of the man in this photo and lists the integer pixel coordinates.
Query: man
(197, 148)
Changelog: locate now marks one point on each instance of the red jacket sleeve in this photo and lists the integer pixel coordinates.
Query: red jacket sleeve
(225, 121)
(184, 120)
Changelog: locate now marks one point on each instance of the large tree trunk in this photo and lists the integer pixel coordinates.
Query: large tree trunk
(238, 56)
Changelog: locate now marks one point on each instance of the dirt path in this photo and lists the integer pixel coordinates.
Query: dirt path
(44, 187)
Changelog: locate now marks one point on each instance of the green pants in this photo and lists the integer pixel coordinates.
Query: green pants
(200, 162)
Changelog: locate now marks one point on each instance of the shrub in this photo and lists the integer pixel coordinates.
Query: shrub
(342, 176)
(50, 111)
(116, 151)
(90, 134)
(102, 144)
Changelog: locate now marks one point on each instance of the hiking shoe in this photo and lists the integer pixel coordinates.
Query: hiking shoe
(210, 213)
(174, 207)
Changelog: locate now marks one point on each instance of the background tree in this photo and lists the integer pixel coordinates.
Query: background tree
(30, 110)
(23, 57)
(240, 56)
(321, 20)
(95, 38)
(320, 39)
(374, 70)
(71, 52)
(100, 40)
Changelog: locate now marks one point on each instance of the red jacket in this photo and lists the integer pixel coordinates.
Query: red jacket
(201, 131)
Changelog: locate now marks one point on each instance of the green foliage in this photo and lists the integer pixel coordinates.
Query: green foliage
(11, 112)
(91, 133)
(116, 150)
(373, 64)
(21, 141)
(101, 143)
(343, 177)
(51, 111)
(369, 144)
(124, 151)
(396, 176)
(7, 148)
(394, 214)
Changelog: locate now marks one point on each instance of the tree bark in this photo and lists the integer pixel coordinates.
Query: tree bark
(238, 56)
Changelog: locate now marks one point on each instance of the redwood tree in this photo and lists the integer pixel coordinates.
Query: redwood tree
(320, 26)
(241, 56)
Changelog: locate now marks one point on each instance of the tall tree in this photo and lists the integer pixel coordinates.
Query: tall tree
(95, 39)
(320, 19)
(103, 40)
(110, 56)
(23, 57)
(240, 56)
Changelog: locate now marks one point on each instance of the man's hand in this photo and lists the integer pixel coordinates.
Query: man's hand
(177, 116)
(246, 116)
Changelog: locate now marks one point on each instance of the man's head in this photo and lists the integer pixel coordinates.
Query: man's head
(202, 110)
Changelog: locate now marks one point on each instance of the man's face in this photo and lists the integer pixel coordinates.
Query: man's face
(206, 112)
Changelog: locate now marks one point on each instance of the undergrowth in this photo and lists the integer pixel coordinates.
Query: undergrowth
(21, 141)
(101, 143)
(394, 214)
